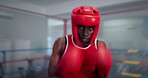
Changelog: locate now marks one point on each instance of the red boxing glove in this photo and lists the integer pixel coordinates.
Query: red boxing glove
(104, 60)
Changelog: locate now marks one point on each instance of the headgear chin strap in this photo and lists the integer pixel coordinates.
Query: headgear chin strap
(86, 16)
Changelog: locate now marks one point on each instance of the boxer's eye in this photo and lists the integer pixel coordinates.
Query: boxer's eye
(91, 28)
(80, 27)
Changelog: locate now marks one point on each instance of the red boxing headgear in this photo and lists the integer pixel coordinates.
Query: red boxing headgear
(86, 16)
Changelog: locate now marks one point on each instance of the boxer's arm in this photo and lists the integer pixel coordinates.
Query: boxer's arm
(55, 57)
(104, 60)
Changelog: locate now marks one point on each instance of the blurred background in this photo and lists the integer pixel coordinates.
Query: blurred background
(28, 29)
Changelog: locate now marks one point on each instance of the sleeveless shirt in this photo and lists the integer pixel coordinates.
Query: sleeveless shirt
(77, 62)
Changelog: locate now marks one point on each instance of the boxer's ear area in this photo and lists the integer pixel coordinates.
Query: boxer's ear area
(94, 11)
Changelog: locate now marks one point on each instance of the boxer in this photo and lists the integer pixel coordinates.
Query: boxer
(81, 55)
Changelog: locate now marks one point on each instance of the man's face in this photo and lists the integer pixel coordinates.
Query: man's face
(85, 33)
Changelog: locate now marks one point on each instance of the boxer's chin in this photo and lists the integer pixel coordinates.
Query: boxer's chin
(85, 41)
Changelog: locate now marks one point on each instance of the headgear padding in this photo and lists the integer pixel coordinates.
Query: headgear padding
(85, 16)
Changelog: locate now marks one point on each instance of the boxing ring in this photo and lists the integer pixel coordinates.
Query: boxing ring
(29, 72)
(125, 61)
(135, 68)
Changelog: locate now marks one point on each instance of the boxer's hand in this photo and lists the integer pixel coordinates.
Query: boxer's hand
(104, 60)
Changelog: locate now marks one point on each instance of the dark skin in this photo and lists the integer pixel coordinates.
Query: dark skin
(84, 32)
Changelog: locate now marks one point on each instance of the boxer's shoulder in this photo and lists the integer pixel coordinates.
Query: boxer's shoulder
(101, 43)
(60, 40)
(60, 45)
